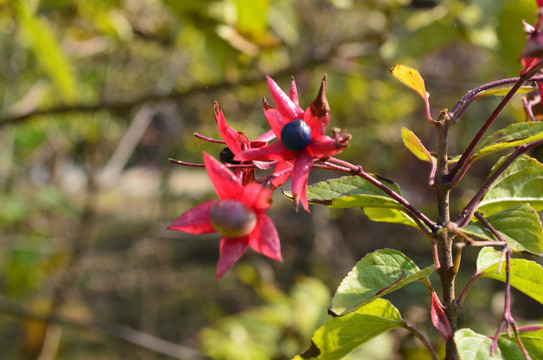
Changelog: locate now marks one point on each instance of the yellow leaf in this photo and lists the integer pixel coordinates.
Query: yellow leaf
(413, 143)
(411, 78)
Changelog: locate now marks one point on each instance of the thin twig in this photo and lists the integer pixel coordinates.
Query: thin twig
(126, 333)
(126, 146)
(465, 215)
(68, 275)
(308, 62)
(208, 139)
(422, 338)
(413, 212)
(507, 319)
(451, 178)
(466, 100)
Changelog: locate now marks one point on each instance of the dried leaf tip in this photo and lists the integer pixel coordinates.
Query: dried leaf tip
(320, 106)
(265, 104)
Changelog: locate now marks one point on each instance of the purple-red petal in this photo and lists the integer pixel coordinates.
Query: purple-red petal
(257, 197)
(282, 166)
(231, 137)
(275, 119)
(265, 240)
(224, 181)
(300, 174)
(230, 251)
(195, 220)
(275, 151)
(293, 93)
(283, 103)
(263, 139)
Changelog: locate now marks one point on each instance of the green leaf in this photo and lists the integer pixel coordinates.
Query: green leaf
(413, 143)
(473, 346)
(532, 341)
(352, 191)
(510, 137)
(525, 276)
(504, 90)
(377, 274)
(487, 257)
(41, 41)
(510, 350)
(389, 216)
(518, 225)
(252, 15)
(521, 182)
(341, 335)
(258, 333)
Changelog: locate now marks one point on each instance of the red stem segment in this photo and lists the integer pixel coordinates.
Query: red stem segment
(464, 217)
(413, 212)
(507, 320)
(452, 178)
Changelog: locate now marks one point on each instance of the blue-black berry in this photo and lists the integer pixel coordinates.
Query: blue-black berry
(296, 135)
(227, 156)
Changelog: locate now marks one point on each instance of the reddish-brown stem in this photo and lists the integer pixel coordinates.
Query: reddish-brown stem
(413, 212)
(451, 178)
(461, 106)
(208, 139)
(507, 320)
(463, 218)
(422, 338)
(189, 164)
(447, 265)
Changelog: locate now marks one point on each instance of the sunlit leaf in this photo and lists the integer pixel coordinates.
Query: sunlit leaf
(411, 78)
(389, 215)
(525, 276)
(413, 143)
(504, 90)
(532, 341)
(341, 335)
(487, 257)
(377, 274)
(510, 350)
(41, 41)
(519, 225)
(473, 346)
(252, 15)
(510, 137)
(352, 191)
(255, 333)
(521, 182)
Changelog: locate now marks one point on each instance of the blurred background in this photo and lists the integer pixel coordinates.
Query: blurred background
(97, 95)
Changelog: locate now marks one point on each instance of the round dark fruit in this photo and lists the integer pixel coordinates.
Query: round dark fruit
(227, 156)
(232, 218)
(296, 135)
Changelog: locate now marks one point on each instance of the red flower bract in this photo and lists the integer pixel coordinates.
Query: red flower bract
(254, 199)
(317, 116)
(237, 141)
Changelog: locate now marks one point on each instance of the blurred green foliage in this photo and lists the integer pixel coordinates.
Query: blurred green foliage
(95, 96)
